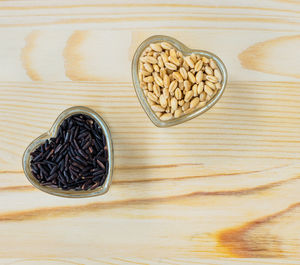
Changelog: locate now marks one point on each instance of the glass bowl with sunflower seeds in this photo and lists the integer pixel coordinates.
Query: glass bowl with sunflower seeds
(175, 83)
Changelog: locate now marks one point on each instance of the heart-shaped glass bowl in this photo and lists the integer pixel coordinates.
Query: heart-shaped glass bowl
(52, 133)
(185, 51)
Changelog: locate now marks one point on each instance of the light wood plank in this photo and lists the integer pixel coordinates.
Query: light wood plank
(216, 189)
(69, 40)
(63, 55)
(164, 178)
(143, 261)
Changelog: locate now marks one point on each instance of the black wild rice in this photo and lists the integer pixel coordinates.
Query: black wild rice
(76, 158)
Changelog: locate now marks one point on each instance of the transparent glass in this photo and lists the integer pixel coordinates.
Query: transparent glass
(185, 51)
(52, 133)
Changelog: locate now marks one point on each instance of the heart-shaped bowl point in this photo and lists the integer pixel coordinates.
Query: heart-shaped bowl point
(53, 133)
(185, 52)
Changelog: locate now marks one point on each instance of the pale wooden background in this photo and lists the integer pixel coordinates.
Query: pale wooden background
(224, 185)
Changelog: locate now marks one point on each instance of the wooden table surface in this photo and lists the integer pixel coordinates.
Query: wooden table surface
(225, 185)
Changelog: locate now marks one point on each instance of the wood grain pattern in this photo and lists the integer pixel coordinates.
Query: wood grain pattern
(271, 56)
(220, 189)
